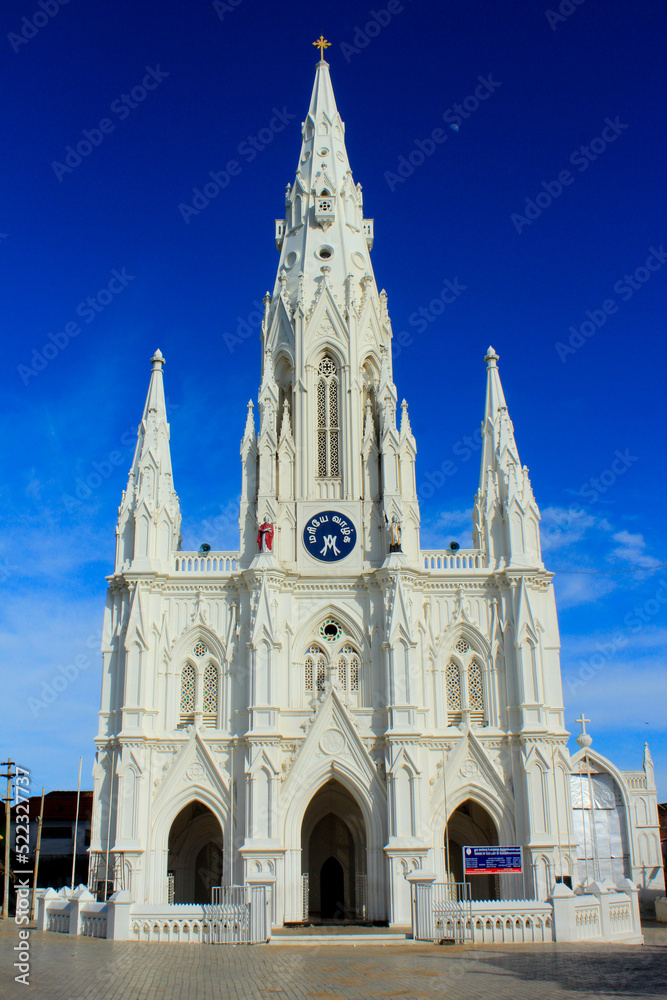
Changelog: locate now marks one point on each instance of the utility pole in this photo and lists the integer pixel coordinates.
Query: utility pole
(8, 818)
(38, 848)
(76, 823)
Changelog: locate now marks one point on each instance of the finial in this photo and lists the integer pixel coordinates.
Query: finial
(584, 739)
(157, 360)
(491, 358)
(322, 44)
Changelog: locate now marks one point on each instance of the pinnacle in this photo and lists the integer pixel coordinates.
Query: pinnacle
(157, 360)
(491, 358)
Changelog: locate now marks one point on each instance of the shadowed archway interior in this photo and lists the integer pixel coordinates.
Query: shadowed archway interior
(471, 826)
(195, 854)
(333, 843)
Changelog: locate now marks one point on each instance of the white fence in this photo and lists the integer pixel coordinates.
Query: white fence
(211, 562)
(596, 912)
(239, 915)
(72, 912)
(462, 559)
(452, 912)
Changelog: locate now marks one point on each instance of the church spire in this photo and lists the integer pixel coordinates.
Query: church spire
(506, 516)
(323, 221)
(149, 517)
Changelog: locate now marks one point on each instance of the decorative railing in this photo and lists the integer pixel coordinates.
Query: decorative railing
(597, 912)
(94, 925)
(211, 562)
(238, 915)
(636, 780)
(511, 922)
(587, 921)
(165, 928)
(58, 920)
(446, 560)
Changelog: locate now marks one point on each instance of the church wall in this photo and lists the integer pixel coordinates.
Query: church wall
(205, 694)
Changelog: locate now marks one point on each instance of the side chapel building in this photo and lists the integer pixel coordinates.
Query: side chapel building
(324, 708)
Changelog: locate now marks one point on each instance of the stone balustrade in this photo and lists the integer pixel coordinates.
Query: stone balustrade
(205, 564)
(444, 561)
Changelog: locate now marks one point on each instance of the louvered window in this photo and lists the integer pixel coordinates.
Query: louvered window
(187, 710)
(453, 682)
(210, 704)
(328, 458)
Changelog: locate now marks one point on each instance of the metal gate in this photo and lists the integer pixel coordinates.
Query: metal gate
(238, 914)
(452, 912)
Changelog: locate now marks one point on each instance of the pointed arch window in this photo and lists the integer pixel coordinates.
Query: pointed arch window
(188, 689)
(348, 668)
(315, 669)
(475, 692)
(328, 431)
(200, 688)
(210, 700)
(464, 682)
(453, 683)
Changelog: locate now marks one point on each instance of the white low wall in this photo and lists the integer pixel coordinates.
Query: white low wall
(120, 919)
(598, 911)
(72, 912)
(517, 921)
(595, 912)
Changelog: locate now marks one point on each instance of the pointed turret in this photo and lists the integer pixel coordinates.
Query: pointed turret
(324, 212)
(248, 505)
(149, 517)
(327, 397)
(506, 517)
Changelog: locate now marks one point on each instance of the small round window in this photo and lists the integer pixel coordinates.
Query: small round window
(325, 253)
(330, 630)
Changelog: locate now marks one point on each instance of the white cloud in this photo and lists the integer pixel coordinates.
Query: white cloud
(564, 526)
(50, 671)
(454, 519)
(573, 589)
(630, 548)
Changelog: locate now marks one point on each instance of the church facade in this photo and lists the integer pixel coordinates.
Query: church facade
(331, 707)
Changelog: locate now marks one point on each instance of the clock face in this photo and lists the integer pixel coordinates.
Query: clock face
(329, 536)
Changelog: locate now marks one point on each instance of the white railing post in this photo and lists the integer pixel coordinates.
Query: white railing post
(78, 897)
(421, 883)
(563, 902)
(260, 920)
(43, 899)
(118, 915)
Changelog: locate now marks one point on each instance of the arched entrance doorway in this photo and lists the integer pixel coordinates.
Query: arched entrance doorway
(195, 854)
(471, 826)
(333, 855)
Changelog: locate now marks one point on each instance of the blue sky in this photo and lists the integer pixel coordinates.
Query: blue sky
(570, 132)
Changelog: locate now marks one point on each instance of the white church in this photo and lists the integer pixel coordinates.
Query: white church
(331, 707)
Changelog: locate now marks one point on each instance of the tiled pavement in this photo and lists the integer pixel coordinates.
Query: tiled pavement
(64, 968)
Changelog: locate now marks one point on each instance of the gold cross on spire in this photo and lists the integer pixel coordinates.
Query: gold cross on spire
(322, 44)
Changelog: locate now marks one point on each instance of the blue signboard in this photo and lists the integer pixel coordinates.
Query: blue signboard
(329, 536)
(492, 860)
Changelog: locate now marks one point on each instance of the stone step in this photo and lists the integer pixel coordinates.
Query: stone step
(318, 938)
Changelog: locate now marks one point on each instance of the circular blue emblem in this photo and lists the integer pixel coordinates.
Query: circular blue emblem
(329, 536)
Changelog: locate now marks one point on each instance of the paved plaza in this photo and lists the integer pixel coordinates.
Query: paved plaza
(64, 968)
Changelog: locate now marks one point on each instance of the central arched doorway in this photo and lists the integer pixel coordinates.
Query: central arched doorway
(195, 854)
(471, 826)
(333, 854)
